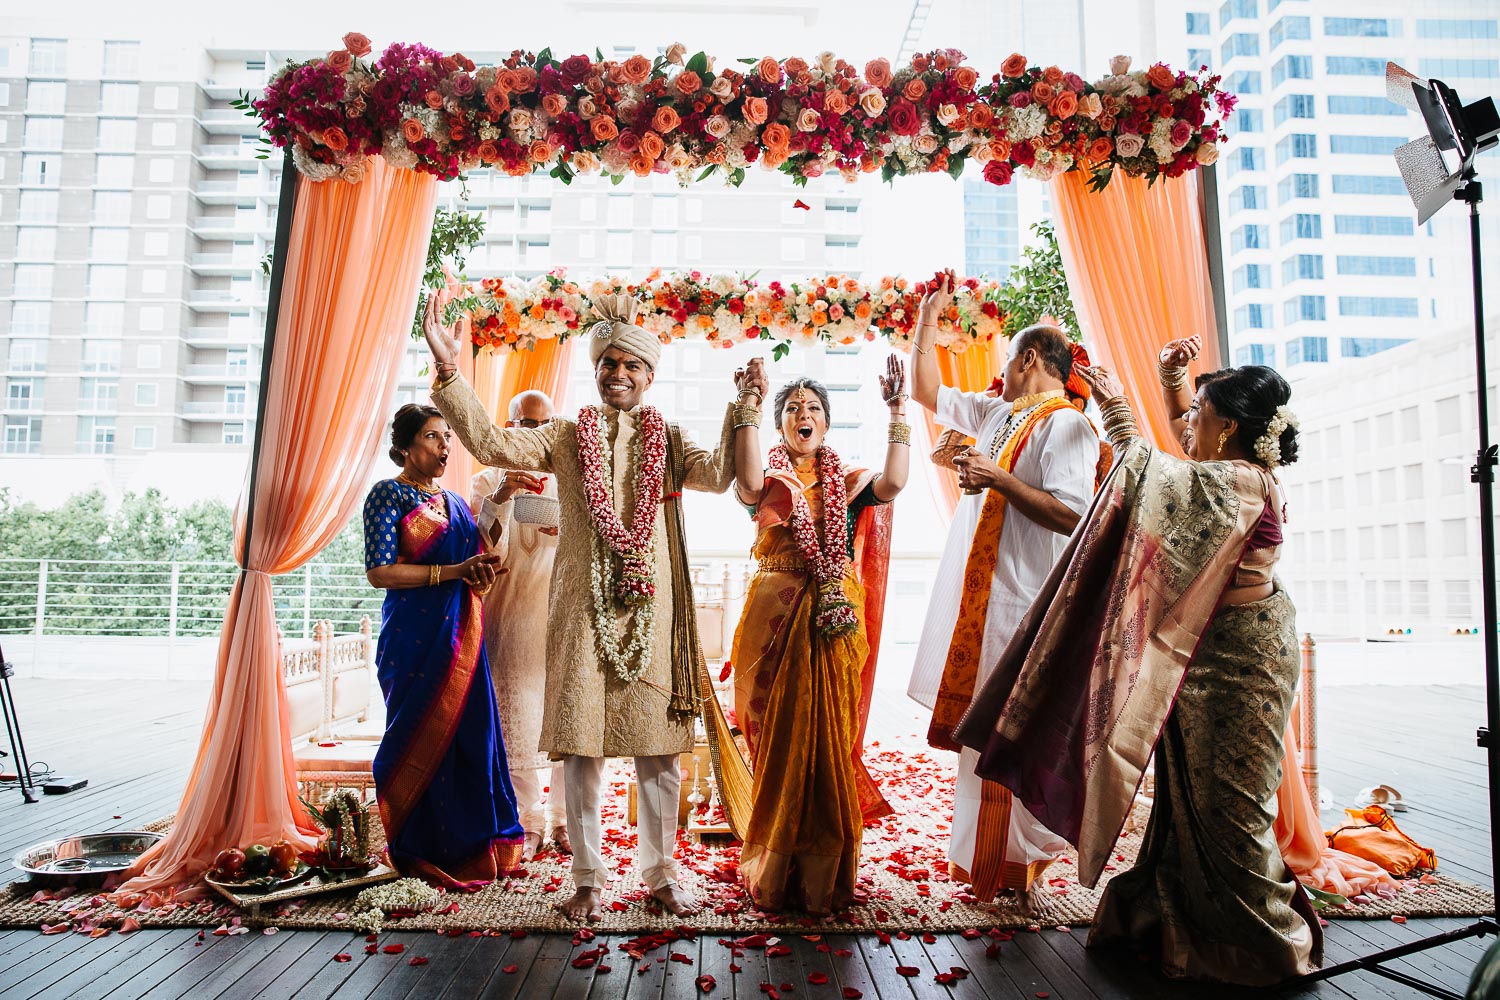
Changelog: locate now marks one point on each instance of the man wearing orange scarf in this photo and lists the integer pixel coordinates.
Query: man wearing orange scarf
(1028, 479)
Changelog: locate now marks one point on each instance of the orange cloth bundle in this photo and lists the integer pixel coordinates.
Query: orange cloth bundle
(1373, 835)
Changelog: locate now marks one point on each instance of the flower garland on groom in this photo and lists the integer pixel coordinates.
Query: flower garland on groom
(621, 676)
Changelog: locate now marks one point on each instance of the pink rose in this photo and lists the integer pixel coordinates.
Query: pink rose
(1020, 99)
(926, 144)
(629, 141)
(808, 120)
(463, 84)
(717, 126)
(722, 88)
(1129, 145)
(587, 108)
(1119, 65)
(357, 44)
(675, 52)
(1074, 82)
(1181, 133)
(872, 102)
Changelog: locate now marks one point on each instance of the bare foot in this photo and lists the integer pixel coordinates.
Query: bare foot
(582, 905)
(675, 899)
(533, 844)
(560, 838)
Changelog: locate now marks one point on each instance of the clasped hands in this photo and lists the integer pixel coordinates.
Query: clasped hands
(752, 380)
(480, 571)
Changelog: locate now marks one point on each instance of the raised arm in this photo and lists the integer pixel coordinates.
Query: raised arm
(898, 447)
(1119, 423)
(1176, 387)
(749, 475)
(925, 379)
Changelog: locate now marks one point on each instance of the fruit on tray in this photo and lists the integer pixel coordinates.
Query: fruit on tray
(229, 865)
(283, 858)
(257, 860)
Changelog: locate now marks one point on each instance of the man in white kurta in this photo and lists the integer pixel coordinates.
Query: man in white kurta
(1058, 460)
(515, 630)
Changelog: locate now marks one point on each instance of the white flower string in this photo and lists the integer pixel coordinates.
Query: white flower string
(372, 904)
(634, 586)
(828, 560)
(1268, 445)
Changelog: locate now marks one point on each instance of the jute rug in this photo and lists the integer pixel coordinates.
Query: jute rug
(903, 879)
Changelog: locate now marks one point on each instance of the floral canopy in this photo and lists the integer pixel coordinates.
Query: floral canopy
(442, 114)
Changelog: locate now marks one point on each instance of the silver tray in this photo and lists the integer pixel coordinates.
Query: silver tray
(85, 860)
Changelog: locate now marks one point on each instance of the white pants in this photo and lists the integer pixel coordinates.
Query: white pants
(535, 816)
(658, 785)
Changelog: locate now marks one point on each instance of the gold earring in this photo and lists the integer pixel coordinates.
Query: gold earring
(1223, 437)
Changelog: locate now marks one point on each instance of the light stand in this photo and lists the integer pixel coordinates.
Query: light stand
(1433, 180)
(13, 730)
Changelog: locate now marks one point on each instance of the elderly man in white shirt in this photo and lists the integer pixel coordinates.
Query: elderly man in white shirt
(1028, 479)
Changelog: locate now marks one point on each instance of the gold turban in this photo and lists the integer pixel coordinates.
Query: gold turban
(616, 328)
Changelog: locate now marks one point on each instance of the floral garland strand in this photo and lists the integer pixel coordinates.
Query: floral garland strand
(636, 584)
(828, 560)
(442, 114)
(722, 310)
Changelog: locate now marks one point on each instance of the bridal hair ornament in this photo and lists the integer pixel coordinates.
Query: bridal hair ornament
(1268, 445)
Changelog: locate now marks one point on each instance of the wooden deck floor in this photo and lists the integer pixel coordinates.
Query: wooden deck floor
(135, 742)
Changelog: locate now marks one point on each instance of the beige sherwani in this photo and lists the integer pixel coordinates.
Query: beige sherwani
(589, 713)
(515, 636)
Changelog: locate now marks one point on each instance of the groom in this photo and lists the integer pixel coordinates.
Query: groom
(620, 679)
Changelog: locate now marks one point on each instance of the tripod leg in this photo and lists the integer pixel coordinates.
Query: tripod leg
(17, 745)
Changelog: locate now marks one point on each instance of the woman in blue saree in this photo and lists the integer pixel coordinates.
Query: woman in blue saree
(440, 774)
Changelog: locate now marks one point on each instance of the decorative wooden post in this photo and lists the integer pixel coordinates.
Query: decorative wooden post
(322, 632)
(367, 647)
(1308, 717)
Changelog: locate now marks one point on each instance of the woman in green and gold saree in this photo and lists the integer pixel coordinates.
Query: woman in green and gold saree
(1162, 628)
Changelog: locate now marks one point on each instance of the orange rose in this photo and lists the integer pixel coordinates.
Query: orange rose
(447, 64)
(835, 102)
(689, 83)
(652, 146)
(1064, 105)
(525, 80)
(554, 104)
(412, 131)
(1100, 149)
(434, 100)
(335, 139)
(488, 152)
(914, 90)
(878, 73)
(756, 110)
(540, 152)
(862, 310)
(497, 100)
(603, 128)
(981, 116)
(773, 158)
(777, 138)
(665, 120)
(769, 69)
(1042, 92)
(1014, 66)
(965, 77)
(796, 65)
(339, 60)
(1052, 75)
(1000, 148)
(636, 69)
(641, 165)
(1160, 77)
(718, 155)
(357, 44)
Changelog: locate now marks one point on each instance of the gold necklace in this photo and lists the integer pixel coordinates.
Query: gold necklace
(1026, 402)
(420, 488)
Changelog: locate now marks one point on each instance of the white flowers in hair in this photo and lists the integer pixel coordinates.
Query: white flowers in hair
(1268, 445)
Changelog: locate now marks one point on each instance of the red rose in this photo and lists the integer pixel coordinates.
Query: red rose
(575, 69)
(904, 119)
(1023, 153)
(998, 171)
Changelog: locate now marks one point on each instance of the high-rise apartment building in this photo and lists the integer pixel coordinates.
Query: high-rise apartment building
(135, 223)
(1323, 256)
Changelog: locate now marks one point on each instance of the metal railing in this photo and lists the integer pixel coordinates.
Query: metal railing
(61, 597)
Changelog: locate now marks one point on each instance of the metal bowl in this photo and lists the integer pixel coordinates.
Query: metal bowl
(85, 860)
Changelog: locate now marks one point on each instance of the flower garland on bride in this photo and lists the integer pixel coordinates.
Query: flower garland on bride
(828, 560)
(634, 585)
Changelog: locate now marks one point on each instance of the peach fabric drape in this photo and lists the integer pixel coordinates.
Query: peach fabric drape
(498, 377)
(968, 371)
(1137, 267)
(348, 291)
(1299, 834)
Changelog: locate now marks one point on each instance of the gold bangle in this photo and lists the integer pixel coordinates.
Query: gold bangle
(899, 433)
(434, 575)
(442, 382)
(745, 415)
(1172, 377)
